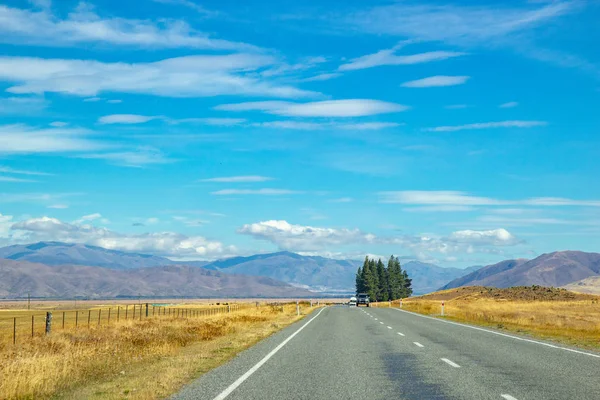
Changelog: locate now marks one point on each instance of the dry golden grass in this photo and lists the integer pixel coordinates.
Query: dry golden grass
(569, 319)
(133, 359)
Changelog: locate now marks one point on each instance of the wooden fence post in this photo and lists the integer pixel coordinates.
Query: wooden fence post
(134, 311)
(118, 313)
(89, 317)
(76, 318)
(126, 311)
(146, 310)
(99, 313)
(108, 322)
(14, 331)
(48, 323)
(63, 324)
(32, 331)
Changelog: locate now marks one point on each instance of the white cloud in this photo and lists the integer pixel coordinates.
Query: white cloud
(440, 208)
(22, 105)
(141, 157)
(189, 4)
(510, 104)
(114, 101)
(58, 124)
(315, 126)
(208, 121)
(159, 243)
(58, 206)
(342, 200)
(194, 222)
(496, 237)
(457, 198)
(23, 139)
(456, 106)
(13, 171)
(244, 178)
(322, 77)
(83, 25)
(328, 108)
(264, 192)
(88, 218)
(457, 24)
(387, 57)
(92, 99)
(488, 125)
(188, 76)
(13, 179)
(303, 238)
(436, 81)
(126, 119)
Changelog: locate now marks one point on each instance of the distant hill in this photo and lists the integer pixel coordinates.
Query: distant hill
(57, 253)
(429, 277)
(589, 285)
(67, 281)
(552, 270)
(316, 273)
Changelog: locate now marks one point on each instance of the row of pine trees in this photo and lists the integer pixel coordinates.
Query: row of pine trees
(383, 283)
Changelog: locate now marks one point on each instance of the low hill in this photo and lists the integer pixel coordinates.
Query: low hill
(67, 281)
(552, 270)
(524, 293)
(589, 285)
(429, 277)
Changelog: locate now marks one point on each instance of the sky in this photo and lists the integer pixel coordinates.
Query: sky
(457, 133)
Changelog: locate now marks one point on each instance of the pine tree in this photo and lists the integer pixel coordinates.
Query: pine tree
(372, 286)
(407, 285)
(382, 292)
(360, 285)
(395, 279)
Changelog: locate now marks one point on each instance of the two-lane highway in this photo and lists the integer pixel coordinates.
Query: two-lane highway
(380, 353)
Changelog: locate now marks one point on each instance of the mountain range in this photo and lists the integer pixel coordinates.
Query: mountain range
(20, 278)
(556, 269)
(324, 275)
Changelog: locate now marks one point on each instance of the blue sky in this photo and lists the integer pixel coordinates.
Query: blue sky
(447, 132)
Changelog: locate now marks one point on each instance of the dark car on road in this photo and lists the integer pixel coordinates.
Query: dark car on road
(362, 299)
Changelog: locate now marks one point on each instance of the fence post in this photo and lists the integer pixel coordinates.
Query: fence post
(146, 310)
(140, 312)
(14, 330)
(89, 317)
(134, 311)
(126, 311)
(228, 308)
(63, 324)
(76, 319)
(118, 313)
(99, 313)
(153, 310)
(32, 326)
(48, 322)
(108, 322)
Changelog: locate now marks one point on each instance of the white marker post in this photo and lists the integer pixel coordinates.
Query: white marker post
(297, 307)
(442, 308)
(400, 302)
(310, 303)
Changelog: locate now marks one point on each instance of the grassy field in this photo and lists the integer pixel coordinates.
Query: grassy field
(546, 313)
(133, 359)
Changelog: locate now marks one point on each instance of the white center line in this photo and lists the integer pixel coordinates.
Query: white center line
(401, 334)
(508, 397)
(418, 344)
(381, 322)
(259, 364)
(451, 363)
(389, 327)
(375, 319)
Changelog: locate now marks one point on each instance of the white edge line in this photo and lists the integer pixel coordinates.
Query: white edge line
(508, 397)
(418, 344)
(449, 362)
(401, 334)
(259, 364)
(501, 334)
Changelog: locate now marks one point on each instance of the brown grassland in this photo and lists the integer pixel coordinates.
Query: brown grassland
(546, 313)
(132, 359)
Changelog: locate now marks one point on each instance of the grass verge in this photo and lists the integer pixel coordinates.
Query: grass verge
(544, 313)
(147, 359)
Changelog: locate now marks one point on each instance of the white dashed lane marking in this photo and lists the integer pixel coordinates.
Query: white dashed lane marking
(451, 363)
(418, 344)
(508, 397)
(400, 333)
(389, 327)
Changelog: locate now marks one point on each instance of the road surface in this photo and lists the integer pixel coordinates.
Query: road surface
(372, 353)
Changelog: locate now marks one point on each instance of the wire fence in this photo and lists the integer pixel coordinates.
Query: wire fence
(26, 325)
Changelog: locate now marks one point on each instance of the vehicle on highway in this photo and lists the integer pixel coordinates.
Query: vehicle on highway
(352, 301)
(363, 299)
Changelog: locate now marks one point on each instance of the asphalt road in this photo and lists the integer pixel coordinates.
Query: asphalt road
(372, 353)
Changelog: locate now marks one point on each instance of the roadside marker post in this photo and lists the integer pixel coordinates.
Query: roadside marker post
(297, 307)
(442, 308)
(400, 302)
